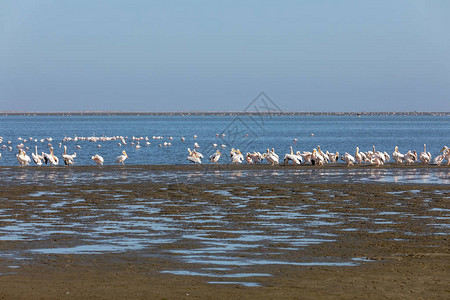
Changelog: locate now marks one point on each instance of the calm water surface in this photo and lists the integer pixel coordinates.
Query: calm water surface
(333, 133)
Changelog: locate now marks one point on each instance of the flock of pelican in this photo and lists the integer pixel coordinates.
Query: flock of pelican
(315, 157)
(52, 159)
(69, 159)
(318, 157)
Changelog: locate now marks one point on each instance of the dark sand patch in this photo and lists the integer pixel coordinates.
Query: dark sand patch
(309, 241)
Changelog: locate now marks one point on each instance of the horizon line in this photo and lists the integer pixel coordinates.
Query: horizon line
(100, 112)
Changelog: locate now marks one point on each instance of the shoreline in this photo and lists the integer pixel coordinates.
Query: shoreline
(189, 167)
(227, 113)
(223, 174)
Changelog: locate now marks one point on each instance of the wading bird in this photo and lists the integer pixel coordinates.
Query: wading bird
(121, 158)
(296, 160)
(98, 159)
(236, 156)
(194, 157)
(215, 157)
(349, 159)
(425, 157)
(22, 158)
(37, 158)
(68, 159)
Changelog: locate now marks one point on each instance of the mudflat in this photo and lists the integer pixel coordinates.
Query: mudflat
(248, 239)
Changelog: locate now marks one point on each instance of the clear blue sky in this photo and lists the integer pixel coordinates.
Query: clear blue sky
(218, 55)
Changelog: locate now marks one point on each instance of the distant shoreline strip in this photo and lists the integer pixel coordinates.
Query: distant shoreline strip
(268, 113)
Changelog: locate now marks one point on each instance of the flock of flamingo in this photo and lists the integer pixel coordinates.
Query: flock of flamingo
(315, 157)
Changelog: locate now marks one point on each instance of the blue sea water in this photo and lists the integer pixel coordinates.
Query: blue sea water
(342, 133)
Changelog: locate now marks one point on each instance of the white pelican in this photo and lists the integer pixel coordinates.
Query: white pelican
(215, 157)
(438, 159)
(236, 157)
(360, 157)
(270, 157)
(306, 156)
(196, 145)
(316, 158)
(332, 157)
(98, 159)
(377, 158)
(198, 154)
(248, 158)
(52, 157)
(397, 156)
(68, 159)
(37, 158)
(410, 157)
(46, 157)
(446, 154)
(296, 160)
(257, 157)
(274, 154)
(386, 157)
(350, 160)
(121, 158)
(425, 157)
(183, 139)
(232, 152)
(22, 158)
(253, 158)
(193, 157)
(325, 157)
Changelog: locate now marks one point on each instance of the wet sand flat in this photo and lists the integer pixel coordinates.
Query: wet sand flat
(196, 238)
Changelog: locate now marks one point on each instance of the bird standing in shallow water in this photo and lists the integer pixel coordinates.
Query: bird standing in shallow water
(98, 159)
(22, 158)
(425, 157)
(37, 158)
(296, 160)
(121, 158)
(349, 159)
(68, 159)
(215, 157)
(194, 157)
